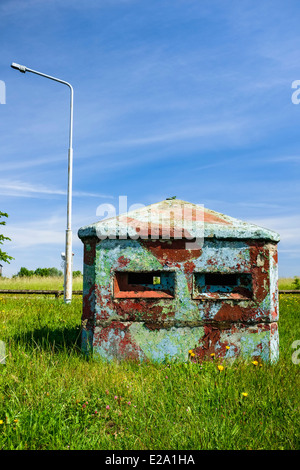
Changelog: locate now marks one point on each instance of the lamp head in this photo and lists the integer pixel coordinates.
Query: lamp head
(21, 68)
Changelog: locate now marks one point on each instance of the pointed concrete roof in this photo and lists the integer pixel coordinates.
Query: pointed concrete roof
(175, 219)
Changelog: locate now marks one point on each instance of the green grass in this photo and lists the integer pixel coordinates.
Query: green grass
(52, 397)
(38, 282)
(56, 283)
(286, 283)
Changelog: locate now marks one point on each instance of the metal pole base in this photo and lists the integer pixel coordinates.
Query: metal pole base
(68, 268)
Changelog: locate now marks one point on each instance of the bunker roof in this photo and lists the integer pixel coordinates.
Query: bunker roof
(175, 219)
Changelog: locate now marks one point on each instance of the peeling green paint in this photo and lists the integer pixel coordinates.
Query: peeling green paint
(257, 344)
(173, 343)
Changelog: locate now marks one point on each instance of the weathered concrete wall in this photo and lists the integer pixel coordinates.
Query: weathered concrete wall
(147, 326)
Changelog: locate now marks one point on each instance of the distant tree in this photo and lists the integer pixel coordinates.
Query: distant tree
(43, 272)
(24, 272)
(77, 273)
(55, 272)
(47, 272)
(296, 283)
(3, 255)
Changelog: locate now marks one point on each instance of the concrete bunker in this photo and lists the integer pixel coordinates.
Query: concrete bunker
(156, 287)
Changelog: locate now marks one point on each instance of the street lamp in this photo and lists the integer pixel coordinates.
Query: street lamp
(68, 254)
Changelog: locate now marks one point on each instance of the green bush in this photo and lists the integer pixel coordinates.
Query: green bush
(43, 272)
(296, 283)
(77, 273)
(24, 272)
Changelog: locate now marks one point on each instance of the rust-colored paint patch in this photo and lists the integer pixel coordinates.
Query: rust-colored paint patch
(259, 258)
(189, 267)
(235, 313)
(213, 219)
(117, 337)
(144, 310)
(274, 328)
(172, 251)
(145, 229)
(88, 307)
(274, 312)
(208, 343)
(123, 262)
(142, 293)
(89, 251)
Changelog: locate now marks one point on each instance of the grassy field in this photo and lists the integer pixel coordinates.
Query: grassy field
(286, 283)
(51, 397)
(56, 283)
(38, 282)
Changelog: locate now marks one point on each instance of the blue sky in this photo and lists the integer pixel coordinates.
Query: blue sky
(171, 97)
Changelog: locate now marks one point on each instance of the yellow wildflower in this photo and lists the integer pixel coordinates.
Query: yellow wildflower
(192, 354)
(212, 354)
(227, 347)
(255, 363)
(190, 351)
(1, 421)
(221, 368)
(245, 394)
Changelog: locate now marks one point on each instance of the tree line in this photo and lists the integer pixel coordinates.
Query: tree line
(43, 272)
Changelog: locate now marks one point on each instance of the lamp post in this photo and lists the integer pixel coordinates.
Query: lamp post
(68, 254)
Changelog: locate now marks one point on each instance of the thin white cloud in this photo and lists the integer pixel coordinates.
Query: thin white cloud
(30, 237)
(180, 134)
(228, 129)
(23, 189)
(288, 227)
(286, 159)
(11, 7)
(23, 164)
(262, 205)
(48, 231)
